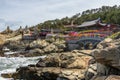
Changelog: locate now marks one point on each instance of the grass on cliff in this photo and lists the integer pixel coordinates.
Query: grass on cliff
(115, 35)
(2, 39)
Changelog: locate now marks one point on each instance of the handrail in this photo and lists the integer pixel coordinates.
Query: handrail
(92, 38)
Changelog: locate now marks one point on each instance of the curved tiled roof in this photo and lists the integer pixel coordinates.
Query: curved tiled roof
(91, 23)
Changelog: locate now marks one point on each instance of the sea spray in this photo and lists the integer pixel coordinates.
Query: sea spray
(9, 64)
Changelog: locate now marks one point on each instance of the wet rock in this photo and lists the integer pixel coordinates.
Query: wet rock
(91, 69)
(111, 77)
(66, 60)
(50, 48)
(60, 44)
(50, 73)
(101, 64)
(36, 50)
(55, 66)
(107, 59)
(15, 45)
(10, 75)
(39, 44)
(109, 54)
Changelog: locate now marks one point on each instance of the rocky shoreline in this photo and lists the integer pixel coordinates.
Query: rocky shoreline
(101, 63)
(68, 66)
(34, 48)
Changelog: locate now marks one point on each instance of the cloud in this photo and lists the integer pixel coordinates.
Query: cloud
(2, 20)
(32, 12)
(13, 24)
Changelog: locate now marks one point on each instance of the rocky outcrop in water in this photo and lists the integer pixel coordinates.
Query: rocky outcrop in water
(16, 45)
(100, 64)
(109, 53)
(107, 56)
(75, 60)
(2, 41)
(35, 48)
(56, 66)
(47, 47)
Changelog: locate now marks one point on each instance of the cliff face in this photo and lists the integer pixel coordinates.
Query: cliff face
(2, 39)
(101, 63)
(108, 53)
(68, 66)
(56, 66)
(107, 56)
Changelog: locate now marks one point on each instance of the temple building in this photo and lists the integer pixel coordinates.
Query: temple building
(89, 34)
(97, 25)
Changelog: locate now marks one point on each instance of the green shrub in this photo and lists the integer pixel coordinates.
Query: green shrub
(115, 35)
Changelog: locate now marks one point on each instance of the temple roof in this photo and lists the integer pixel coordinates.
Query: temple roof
(90, 23)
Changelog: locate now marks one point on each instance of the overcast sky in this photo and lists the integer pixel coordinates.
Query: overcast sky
(31, 12)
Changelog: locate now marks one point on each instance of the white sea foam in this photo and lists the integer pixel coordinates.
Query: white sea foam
(9, 64)
(6, 53)
(2, 78)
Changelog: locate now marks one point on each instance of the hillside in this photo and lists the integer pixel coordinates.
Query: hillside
(107, 14)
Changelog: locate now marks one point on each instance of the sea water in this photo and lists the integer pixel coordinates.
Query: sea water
(9, 64)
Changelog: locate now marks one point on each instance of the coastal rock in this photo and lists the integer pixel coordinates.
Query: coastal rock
(91, 69)
(56, 66)
(2, 54)
(111, 77)
(50, 48)
(31, 48)
(47, 47)
(2, 41)
(107, 40)
(65, 60)
(48, 73)
(39, 44)
(10, 75)
(108, 54)
(15, 45)
(60, 44)
(36, 50)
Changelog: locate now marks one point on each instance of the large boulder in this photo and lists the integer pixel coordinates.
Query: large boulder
(111, 77)
(108, 53)
(60, 44)
(36, 50)
(39, 44)
(50, 48)
(2, 41)
(55, 46)
(66, 60)
(47, 73)
(15, 45)
(107, 58)
(56, 66)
